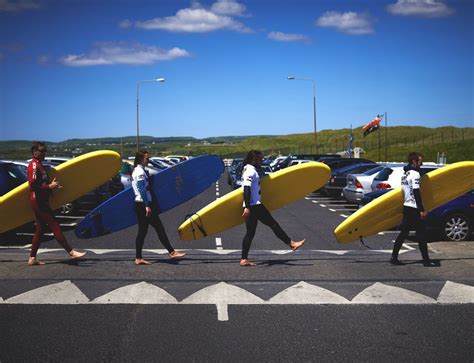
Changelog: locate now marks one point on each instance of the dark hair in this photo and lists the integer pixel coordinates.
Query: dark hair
(413, 156)
(252, 156)
(36, 145)
(139, 156)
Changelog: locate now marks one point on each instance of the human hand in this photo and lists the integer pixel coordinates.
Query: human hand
(246, 213)
(423, 215)
(147, 211)
(55, 185)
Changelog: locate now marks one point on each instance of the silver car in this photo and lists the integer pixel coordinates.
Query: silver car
(360, 184)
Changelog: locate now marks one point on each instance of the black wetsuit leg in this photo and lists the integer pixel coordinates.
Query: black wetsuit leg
(251, 225)
(143, 223)
(266, 218)
(160, 229)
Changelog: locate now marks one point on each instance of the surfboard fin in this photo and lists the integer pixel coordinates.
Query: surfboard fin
(195, 222)
(363, 243)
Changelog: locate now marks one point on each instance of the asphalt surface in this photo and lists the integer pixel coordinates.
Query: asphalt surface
(326, 302)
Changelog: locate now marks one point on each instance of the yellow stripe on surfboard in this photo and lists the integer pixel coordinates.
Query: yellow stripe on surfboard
(437, 188)
(77, 176)
(279, 188)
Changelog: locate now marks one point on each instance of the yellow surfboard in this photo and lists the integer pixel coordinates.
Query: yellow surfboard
(278, 189)
(77, 176)
(437, 188)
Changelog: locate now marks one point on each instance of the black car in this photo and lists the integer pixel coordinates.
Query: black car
(339, 178)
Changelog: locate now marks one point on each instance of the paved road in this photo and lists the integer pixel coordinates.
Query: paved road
(326, 302)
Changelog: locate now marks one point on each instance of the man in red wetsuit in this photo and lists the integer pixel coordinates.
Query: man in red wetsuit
(40, 191)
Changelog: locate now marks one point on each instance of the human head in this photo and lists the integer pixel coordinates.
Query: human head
(141, 158)
(38, 150)
(415, 159)
(254, 157)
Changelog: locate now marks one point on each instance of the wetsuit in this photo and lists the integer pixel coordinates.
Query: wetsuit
(412, 207)
(143, 199)
(258, 212)
(39, 202)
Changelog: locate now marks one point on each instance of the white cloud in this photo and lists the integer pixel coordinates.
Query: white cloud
(122, 53)
(15, 6)
(228, 7)
(198, 19)
(349, 22)
(423, 8)
(288, 37)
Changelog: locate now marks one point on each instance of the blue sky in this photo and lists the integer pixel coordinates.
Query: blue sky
(69, 68)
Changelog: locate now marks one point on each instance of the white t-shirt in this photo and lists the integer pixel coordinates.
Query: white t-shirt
(250, 178)
(140, 181)
(410, 182)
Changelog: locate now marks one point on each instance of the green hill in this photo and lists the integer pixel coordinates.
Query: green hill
(391, 143)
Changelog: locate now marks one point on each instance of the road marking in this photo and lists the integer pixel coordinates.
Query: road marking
(140, 293)
(315, 201)
(323, 205)
(219, 243)
(221, 251)
(304, 293)
(223, 294)
(343, 215)
(332, 210)
(380, 293)
(60, 293)
(453, 293)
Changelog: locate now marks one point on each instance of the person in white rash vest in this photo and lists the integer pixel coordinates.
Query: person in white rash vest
(147, 209)
(254, 210)
(414, 214)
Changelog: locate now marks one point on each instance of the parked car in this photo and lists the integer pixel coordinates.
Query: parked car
(283, 163)
(358, 185)
(452, 221)
(338, 178)
(179, 158)
(165, 161)
(337, 163)
(390, 176)
(11, 176)
(232, 169)
(298, 162)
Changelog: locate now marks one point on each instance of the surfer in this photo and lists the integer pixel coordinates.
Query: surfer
(254, 210)
(40, 191)
(146, 207)
(414, 214)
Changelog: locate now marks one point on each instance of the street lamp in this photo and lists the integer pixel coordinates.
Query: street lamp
(161, 80)
(292, 78)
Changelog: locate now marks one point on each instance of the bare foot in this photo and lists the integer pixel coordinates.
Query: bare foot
(245, 262)
(74, 255)
(176, 254)
(141, 261)
(33, 261)
(296, 244)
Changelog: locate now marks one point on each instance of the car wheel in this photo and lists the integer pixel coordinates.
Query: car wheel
(457, 227)
(68, 209)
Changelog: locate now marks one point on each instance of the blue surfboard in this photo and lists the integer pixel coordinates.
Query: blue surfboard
(172, 187)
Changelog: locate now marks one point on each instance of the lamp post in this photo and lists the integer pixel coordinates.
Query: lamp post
(161, 80)
(291, 78)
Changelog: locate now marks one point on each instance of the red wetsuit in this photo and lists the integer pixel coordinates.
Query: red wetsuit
(39, 201)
